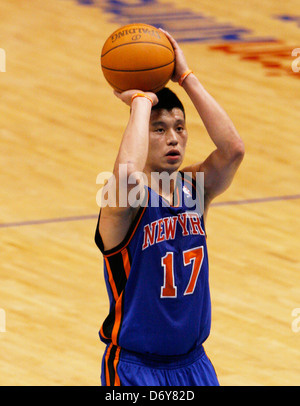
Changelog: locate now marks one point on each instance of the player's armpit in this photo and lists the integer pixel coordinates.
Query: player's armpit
(219, 170)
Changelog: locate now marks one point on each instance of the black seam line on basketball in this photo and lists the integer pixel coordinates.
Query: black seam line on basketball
(136, 42)
(138, 70)
(161, 84)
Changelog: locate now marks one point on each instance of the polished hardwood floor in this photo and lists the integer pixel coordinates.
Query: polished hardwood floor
(60, 126)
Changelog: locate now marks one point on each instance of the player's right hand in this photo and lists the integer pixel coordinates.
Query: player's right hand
(181, 65)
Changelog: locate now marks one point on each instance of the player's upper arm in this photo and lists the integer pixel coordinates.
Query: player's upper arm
(113, 227)
(121, 207)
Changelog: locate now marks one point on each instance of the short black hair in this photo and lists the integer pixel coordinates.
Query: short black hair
(168, 100)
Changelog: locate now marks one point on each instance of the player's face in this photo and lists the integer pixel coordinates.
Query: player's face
(167, 140)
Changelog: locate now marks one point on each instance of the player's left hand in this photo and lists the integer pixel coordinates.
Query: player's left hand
(127, 95)
(181, 65)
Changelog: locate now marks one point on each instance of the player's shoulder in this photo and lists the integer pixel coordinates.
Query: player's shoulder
(194, 176)
(193, 169)
(197, 173)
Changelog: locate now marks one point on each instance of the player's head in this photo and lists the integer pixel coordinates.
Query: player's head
(168, 134)
(168, 100)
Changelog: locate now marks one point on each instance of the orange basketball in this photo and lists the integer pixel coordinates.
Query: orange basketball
(137, 56)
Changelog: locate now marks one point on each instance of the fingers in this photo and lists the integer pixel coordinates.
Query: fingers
(170, 38)
(180, 62)
(153, 97)
(126, 96)
(117, 94)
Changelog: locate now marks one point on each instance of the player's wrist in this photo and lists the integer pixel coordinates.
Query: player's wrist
(184, 76)
(141, 96)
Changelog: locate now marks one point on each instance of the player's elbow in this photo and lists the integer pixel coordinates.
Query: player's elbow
(126, 171)
(237, 150)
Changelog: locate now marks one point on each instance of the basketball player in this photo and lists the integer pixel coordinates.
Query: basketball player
(155, 254)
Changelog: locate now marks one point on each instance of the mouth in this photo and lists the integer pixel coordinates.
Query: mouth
(173, 155)
(173, 152)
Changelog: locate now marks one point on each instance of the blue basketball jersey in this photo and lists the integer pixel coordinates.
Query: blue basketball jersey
(157, 278)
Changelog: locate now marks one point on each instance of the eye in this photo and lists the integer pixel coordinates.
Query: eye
(160, 130)
(179, 129)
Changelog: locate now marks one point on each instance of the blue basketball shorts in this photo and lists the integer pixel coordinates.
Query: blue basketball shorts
(124, 368)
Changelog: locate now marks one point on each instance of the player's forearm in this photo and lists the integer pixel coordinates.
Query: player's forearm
(134, 146)
(218, 125)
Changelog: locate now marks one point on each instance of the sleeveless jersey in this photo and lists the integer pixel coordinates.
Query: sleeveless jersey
(157, 278)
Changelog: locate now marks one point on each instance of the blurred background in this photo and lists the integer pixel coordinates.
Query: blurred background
(60, 126)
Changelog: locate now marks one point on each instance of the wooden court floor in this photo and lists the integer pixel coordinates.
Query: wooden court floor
(60, 126)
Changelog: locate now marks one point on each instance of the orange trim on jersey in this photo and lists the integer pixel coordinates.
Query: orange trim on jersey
(111, 364)
(126, 261)
(116, 361)
(178, 199)
(117, 323)
(102, 333)
(111, 280)
(118, 310)
(194, 186)
(132, 234)
(176, 191)
(107, 378)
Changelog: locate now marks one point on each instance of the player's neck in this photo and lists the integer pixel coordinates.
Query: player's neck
(162, 183)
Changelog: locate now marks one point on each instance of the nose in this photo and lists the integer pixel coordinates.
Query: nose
(172, 138)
